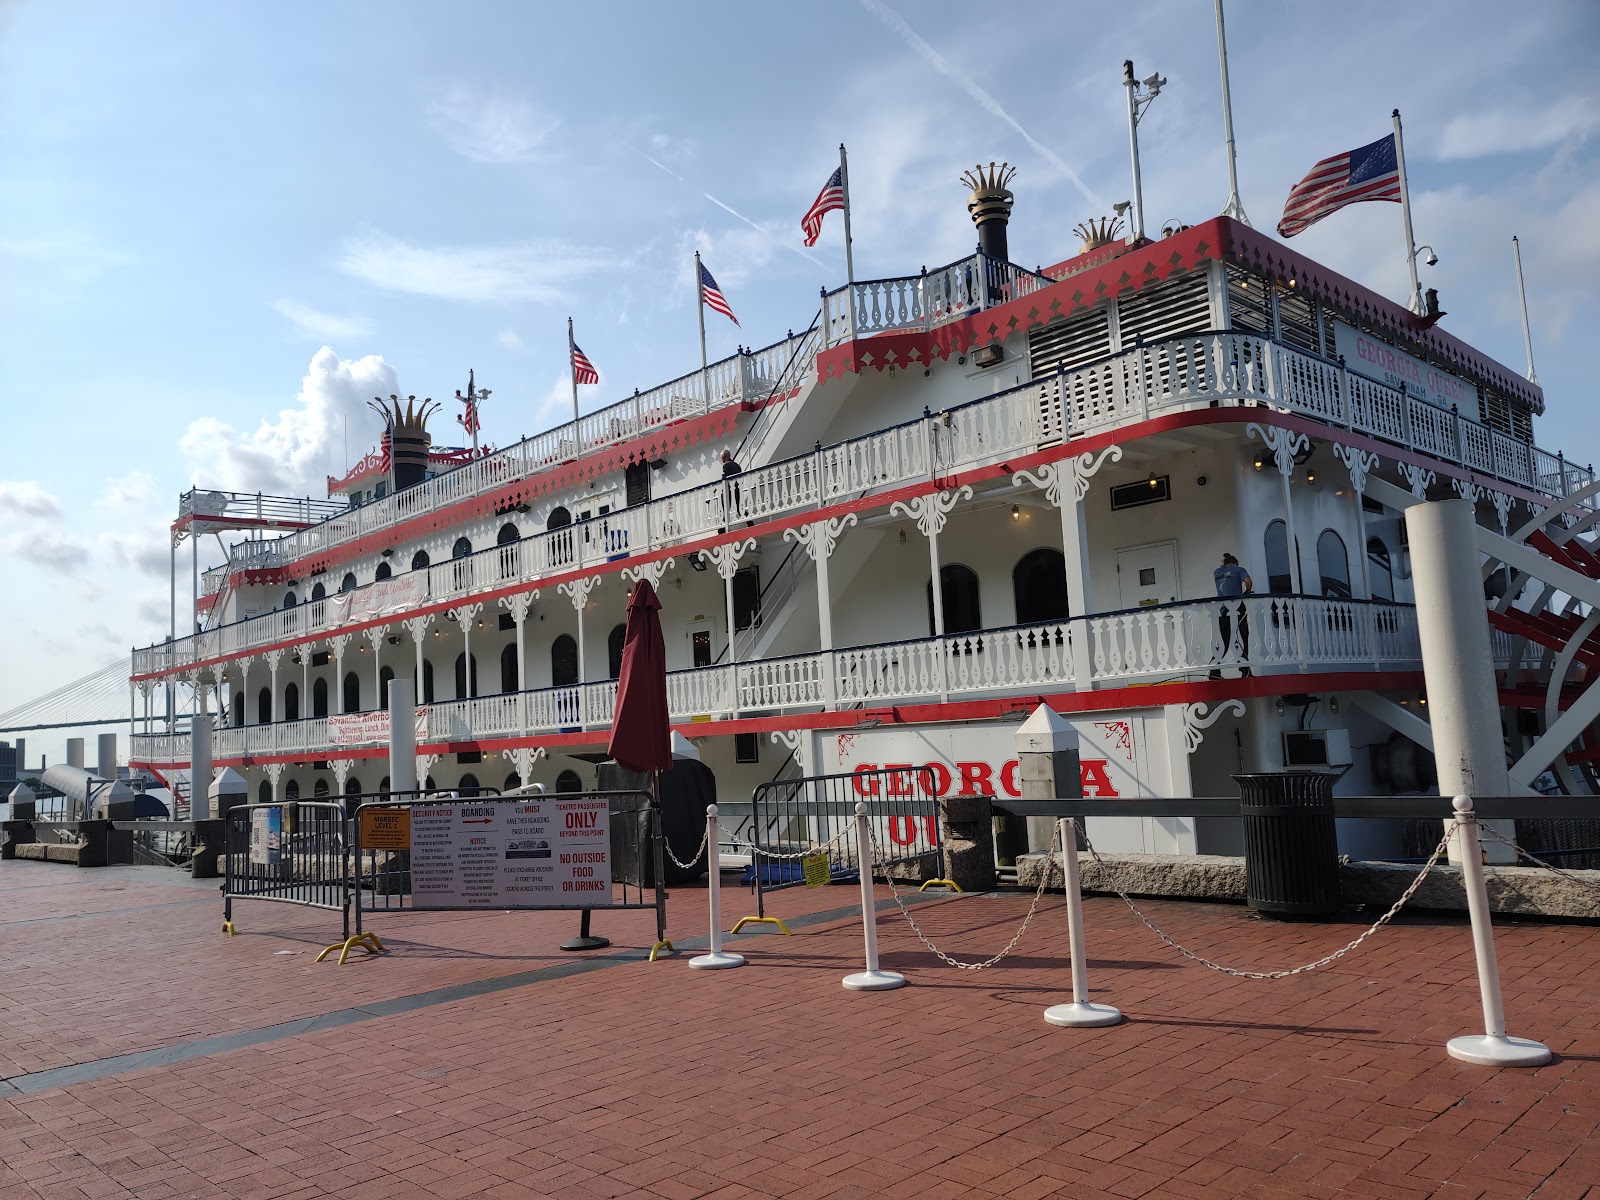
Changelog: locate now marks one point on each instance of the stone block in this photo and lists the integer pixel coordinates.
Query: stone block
(966, 827)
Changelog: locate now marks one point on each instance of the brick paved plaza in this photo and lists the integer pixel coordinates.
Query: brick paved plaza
(146, 1055)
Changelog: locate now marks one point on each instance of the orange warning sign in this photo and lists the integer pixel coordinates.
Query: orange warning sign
(386, 829)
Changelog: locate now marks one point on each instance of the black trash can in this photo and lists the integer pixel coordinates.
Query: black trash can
(1291, 848)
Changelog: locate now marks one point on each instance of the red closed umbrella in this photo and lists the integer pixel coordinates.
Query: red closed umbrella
(641, 735)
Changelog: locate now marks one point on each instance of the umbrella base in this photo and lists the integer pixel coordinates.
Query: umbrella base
(585, 943)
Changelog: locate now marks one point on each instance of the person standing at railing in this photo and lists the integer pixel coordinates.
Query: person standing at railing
(1233, 584)
(730, 500)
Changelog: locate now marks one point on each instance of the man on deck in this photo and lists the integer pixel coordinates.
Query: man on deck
(1233, 584)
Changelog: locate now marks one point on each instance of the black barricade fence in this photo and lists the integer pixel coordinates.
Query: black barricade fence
(575, 850)
(817, 813)
(293, 852)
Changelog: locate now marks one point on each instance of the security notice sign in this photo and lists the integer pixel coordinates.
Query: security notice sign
(540, 853)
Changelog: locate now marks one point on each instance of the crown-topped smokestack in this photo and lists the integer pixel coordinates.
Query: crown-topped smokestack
(407, 432)
(990, 206)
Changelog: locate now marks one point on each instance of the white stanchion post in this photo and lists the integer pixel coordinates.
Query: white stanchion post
(872, 979)
(1080, 1013)
(1493, 1048)
(715, 959)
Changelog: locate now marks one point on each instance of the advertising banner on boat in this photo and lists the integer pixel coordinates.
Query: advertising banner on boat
(362, 729)
(542, 853)
(379, 599)
(1381, 362)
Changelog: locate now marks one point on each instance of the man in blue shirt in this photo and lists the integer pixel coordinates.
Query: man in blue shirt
(1233, 584)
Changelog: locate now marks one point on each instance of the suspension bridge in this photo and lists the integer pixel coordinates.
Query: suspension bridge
(99, 698)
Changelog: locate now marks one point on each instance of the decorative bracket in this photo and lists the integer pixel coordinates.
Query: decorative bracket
(424, 765)
(520, 604)
(417, 626)
(1502, 502)
(794, 739)
(1074, 473)
(726, 556)
(653, 571)
(341, 772)
(273, 658)
(465, 614)
(1469, 490)
(820, 537)
(522, 759)
(1358, 462)
(339, 642)
(932, 509)
(577, 590)
(1419, 477)
(1196, 721)
(1284, 444)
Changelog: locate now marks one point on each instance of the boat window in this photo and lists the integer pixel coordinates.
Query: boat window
(289, 600)
(563, 661)
(352, 786)
(1334, 565)
(614, 643)
(238, 709)
(319, 698)
(352, 692)
(291, 701)
(462, 548)
(319, 592)
(513, 782)
(1379, 569)
(419, 560)
(321, 788)
(508, 668)
(569, 781)
(462, 691)
(508, 533)
(384, 676)
(348, 583)
(383, 571)
(468, 784)
(291, 790)
(426, 693)
(962, 612)
(1279, 578)
(263, 706)
(1039, 584)
(264, 792)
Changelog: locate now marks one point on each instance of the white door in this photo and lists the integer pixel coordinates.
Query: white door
(1148, 575)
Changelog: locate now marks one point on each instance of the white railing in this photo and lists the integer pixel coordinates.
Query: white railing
(926, 300)
(1132, 386)
(745, 377)
(1279, 634)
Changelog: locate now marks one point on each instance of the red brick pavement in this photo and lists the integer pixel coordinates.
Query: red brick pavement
(653, 1080)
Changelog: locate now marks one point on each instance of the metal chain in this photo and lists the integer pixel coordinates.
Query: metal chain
(773, 854)
(705, 836)
(1044, 878)
(1312, 966)
(1534, 857)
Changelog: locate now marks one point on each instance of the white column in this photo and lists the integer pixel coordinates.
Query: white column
(1360, 462)
(417, 627)
(465, 616)
(577, 590)
(339, 641)
(520, 605)
(375, 640)
(726, 560)
(930, 512)
(200, 756)
(819, 540)
(402, 736)
(274, 710)
(1457, 662)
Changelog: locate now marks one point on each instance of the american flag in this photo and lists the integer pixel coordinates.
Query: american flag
(1371, 172)
(711, 296)
(582, 369)
(829, 199)
(469, 419)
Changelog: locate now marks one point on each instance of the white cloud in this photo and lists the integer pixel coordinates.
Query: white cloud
(295, 454)
(1516, 130)
(509, 339)
(25, 498)
(124, 491)
(490, 129)
(47, 548)
(143, 548)
(321, 326)
(536, 271)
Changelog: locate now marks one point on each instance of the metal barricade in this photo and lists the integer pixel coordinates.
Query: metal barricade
(791, 817)
(293, 852)
(552, 851)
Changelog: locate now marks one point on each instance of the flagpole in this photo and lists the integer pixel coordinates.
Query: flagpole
(844, 180)
(1234, 208)
(700, 311)
(1405, 210)
(572, 360)
(1527, 335)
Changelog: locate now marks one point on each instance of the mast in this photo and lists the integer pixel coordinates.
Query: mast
(1234, 208)
(1527, 336)
(1405, 211)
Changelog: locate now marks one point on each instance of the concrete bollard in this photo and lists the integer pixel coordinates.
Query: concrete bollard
(966, 834)
(872, 979)
(715, 959)
(1493, 1048)
(1080, 1013)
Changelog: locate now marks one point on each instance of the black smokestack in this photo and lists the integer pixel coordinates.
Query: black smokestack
(408, 437)
(990, 206)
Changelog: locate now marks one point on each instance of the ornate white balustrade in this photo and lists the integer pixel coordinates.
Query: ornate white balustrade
(1285, 634)
(1129, 387)
(926, 300)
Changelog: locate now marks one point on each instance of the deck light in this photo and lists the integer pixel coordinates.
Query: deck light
(1016, 515)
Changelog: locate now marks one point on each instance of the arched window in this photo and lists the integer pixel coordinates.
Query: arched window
(263, 706)
(614, 640)
(383, 785)
(461, 573)
(513, 782)
(319, 697)
(291, 790)
(348, 583)
(426, 691)
(462, 548)
(385, 674)
(352, 786)
(1276, 543)
(238, 709)
(419, 560)
(1379, 569)
(508, 668)
(563, 661)
(560, 545)
(352, 692)
(289, 600)
(462, 690)
(321, 789)
(264, 792)
(959, 586)
(291, 701)
(383, 571)
(468, 784)
(510, 559)
(1333, 564)
(318, 592)
(429, 785)
(1039, 583)
(569, 781)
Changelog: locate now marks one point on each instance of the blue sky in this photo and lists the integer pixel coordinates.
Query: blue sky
(224, 227)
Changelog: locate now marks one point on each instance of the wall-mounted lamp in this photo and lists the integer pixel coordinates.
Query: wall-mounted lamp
(1311, 474)
(393, 639)
(1422, 699)
(1277, 706)
(902, 537)
(678, 583)
(1155, 480)
(1260, 460)
(697, 561)
(1016, 515)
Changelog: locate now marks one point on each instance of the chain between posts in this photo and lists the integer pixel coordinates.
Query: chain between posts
(1044, 879)
(795, 857)
(1312, 966)
(705, 837)
(1568, 875)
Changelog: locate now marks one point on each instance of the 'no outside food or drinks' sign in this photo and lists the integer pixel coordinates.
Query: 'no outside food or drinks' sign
(542, 853)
